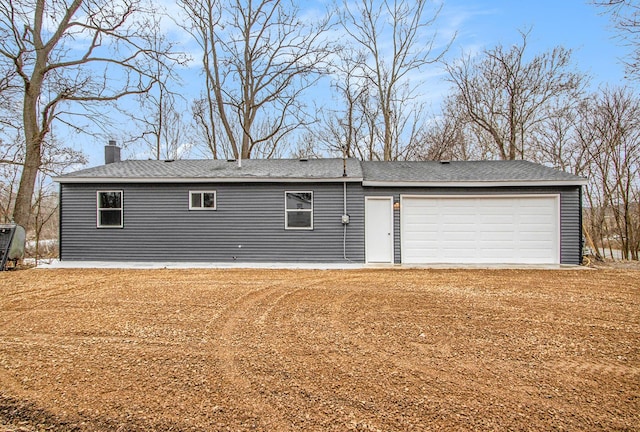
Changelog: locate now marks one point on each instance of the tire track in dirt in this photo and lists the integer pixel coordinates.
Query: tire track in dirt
(43, 296)
(229, 330)
(237, 328)
(336, 405)
(39, 298)
(370, 377)
(599, 368)
(11, 310)
(304, 389)
(47, 290)
(405, 374)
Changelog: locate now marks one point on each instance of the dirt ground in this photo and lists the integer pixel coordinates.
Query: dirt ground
(313, 350)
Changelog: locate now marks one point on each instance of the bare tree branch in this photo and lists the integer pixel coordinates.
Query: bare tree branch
(259, 57)
(625, 16)
(71, 52)
(385, 69)
(507, 97)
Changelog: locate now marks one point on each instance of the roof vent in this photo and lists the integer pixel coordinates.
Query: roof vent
(169, 160)
(445, 162)
(231, 160)
(304, 159)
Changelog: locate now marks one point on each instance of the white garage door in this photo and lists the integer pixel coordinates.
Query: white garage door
(480, 229)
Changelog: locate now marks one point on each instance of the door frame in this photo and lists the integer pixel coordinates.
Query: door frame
(389, 199)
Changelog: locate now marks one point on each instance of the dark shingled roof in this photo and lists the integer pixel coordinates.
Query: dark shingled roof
(251, 169)
(376, 173)
(463, 172)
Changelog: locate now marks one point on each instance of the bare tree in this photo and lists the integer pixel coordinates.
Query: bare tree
(164, 130)
(70, 53)
(9, 178)
(555, 141)
(11, 154)
(625, 16)
(609, 131)
(45, 212)
(340, 130)
(259, 56)
(203, 113)
(399, 42)
(507, 97)
(8, 90)
(160, 116)
(307, 147)
(446, 138)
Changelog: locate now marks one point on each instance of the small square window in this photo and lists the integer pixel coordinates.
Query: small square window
(299, 210)
(109, 208)
(202, 200)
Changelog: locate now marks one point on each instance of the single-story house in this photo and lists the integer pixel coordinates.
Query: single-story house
(321, 211)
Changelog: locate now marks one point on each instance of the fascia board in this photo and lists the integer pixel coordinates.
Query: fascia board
(203, 180)
(476, 184)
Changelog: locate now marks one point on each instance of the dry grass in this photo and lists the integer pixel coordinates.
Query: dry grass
(320, 350)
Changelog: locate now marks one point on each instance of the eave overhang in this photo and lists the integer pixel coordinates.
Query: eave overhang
(164, 180)
(474, 184)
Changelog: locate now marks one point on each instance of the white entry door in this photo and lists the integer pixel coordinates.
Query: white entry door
(379, 229)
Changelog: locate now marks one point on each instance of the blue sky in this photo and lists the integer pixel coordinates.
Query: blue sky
(574, 24)
(483, 24)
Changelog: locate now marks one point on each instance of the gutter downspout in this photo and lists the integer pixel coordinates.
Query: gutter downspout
(344, 225)
(344, 210)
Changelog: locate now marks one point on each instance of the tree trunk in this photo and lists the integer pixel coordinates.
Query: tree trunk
(33, 154)
(22, 209)
(388, 139)
(33, 133)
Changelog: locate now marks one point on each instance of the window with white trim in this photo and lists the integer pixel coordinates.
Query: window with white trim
(109, 209)
(202, 200)
(298, 210)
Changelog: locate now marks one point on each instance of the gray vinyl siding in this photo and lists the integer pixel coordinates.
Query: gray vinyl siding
(570, 229)
(571, 226)
(247, 226)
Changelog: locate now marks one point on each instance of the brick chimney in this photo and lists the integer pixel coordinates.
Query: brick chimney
(111, 153)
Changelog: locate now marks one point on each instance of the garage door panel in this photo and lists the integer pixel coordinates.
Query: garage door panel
(537, 246)
(457, 203)
(456, 228)
(527, 203)
(460, 245)
(423, 209)
(487, 229)
(499, 219)
(492, 228)
(421, 240)
(460, 219)
(450, 254)
(496, 237)
(458, 237)
(502, 254)
(492, 209)
(535, 253)
(535, 219)
(533, 237)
